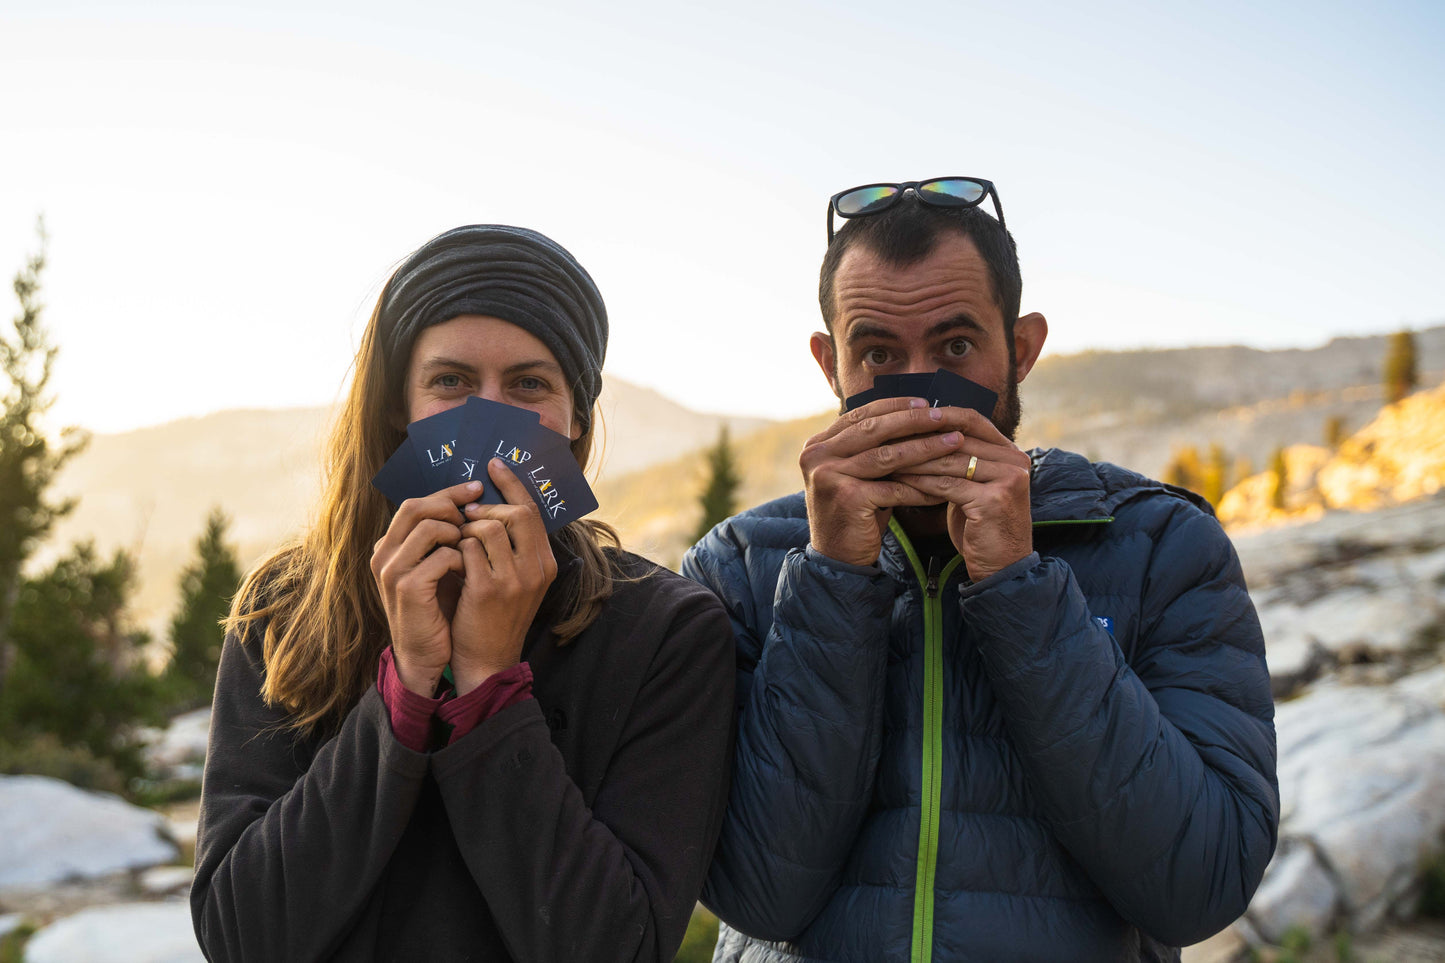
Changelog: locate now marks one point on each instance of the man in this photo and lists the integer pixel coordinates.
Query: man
(993, 705)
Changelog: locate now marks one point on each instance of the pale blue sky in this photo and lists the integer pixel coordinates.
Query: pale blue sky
(227, 185)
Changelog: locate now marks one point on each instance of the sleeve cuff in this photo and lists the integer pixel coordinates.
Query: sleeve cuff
(506, 688)
(411, 714)
(813, 555)
(970, 589)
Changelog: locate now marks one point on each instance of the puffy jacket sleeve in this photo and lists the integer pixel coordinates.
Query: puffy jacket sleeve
(617, 881)
(293, 838)
(810, 703)
(1159, 777)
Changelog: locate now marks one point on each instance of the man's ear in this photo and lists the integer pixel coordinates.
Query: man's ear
(822, 345)
(1030, 333)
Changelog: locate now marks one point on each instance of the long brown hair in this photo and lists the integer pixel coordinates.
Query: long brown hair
(324, 625)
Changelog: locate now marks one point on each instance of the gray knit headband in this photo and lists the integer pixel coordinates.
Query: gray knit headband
(504, 272)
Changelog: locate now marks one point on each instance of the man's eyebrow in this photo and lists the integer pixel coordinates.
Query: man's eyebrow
(954, 323)
(864, 330)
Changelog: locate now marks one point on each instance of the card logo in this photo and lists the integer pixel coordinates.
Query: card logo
(442, 454)
(515, 454)
(552, 501)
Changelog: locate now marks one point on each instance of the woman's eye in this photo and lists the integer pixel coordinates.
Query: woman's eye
(450, 381)
(531, 383)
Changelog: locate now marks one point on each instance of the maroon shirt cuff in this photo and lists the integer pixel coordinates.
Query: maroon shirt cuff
(505, 688)
(411, 714)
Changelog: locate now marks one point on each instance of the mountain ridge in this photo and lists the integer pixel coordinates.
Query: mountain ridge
(148, 490)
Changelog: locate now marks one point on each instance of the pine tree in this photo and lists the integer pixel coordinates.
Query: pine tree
(207, 585)
(1184, 469)
(1402, 372)
(29, 460)
(74, 679)
(1335, 433)
(719, 498)
(1215, 477)
(1279, 469)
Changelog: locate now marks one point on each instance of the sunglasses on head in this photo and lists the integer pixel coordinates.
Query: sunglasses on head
(938, 191)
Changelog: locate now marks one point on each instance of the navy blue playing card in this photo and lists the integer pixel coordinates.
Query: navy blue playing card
(914, 385)
(886, 386)
(892, 386)
(489, 430)
(862, 398)
(455, 445)
(940, 388)
(540, 457)
(545, 464)
(434, 442)
(949, 389)
(400, 478)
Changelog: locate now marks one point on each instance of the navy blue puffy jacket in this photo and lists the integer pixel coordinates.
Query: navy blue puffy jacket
(1073, 759)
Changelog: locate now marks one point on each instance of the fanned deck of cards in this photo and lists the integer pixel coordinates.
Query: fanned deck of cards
(455, 445)
(940, 389)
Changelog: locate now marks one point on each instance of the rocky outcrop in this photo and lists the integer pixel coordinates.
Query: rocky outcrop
(51, 832)
(1397, 457)
(1353, 607)
(179, 751)
(1362, 774)
(1360, 592)
(128, 933)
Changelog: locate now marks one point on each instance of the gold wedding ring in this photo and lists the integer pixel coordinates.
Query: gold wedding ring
(972, 466)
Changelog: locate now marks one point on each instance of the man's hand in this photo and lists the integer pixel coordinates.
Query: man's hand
(409, 562)
(508, 567)
(846, 467)
(989, 519)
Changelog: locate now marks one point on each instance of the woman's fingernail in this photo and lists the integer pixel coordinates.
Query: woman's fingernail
(472, 507)
(474, 486)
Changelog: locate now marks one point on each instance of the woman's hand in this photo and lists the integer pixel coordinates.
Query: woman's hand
(508, 566)
(409, 564)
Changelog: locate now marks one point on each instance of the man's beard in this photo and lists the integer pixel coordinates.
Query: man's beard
(1008, 412)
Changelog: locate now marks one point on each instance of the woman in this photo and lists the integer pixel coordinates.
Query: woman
(361, 805)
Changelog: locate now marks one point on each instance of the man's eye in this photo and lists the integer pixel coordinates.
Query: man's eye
(875, 357)
(959, 347)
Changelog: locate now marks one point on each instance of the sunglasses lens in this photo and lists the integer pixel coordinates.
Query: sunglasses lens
(952, 192)
(866, 200)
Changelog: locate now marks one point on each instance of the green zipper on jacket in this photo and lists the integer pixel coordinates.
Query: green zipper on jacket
(932, 783)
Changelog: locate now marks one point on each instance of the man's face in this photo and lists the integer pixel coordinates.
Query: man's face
(936, 313)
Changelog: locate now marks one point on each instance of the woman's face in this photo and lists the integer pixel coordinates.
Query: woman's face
(494, 359)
